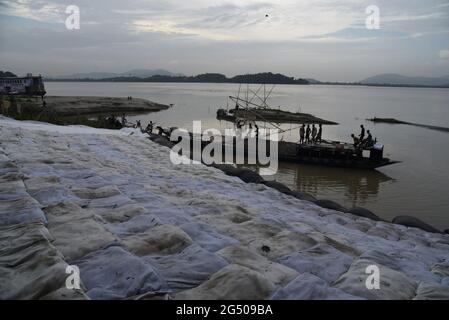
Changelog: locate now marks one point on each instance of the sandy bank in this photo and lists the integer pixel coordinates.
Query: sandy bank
(80, 105)
(137, 225)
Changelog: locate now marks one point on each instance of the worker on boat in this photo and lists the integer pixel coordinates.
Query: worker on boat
(138, 124)
(362, 133)
(123, 120)
(308, 134)
(302, 133)
(257, 131)
(149, 128)
(319, 134)
(314, 132)
(369, 142)
(356, 141)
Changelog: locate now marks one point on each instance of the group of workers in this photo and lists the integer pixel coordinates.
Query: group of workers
(310, 134)
(148, 129)
(123, 122)
(362, 142)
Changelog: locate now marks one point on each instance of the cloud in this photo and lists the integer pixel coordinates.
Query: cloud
(39, 10)
(323, 38)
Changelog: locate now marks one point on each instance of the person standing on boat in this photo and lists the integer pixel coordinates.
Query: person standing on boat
(123, 120)
(149, 128)
(369, 142)
(320, 133)
(314, 132)
(362, 133)
(308, 134)
(356, 141)
(302, 133)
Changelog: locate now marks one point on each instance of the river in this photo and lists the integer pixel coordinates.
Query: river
(417, 186)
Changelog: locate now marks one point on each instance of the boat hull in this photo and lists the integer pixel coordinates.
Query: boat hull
(363, 163)
(320, 155)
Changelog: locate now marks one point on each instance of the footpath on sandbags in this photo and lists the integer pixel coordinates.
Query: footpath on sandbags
(139, 227)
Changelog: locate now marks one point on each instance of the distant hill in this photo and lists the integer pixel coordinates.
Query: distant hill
(265, 77)
(138, 73)
(7, 74)
(396, 79)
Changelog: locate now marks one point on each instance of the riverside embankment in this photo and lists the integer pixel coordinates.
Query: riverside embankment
(139, 226)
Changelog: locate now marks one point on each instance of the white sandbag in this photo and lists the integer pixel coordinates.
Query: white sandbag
(432, 291)
(23, 210)
(277, 273)
(188, 268)
(162, 239)
(207, 237)
(30, 267)
(394, 285)
(114, 273)
(137, 224)
(321, 260)
(309, 287)
(233, 282)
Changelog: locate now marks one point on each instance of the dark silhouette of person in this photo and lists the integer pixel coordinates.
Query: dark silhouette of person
(314, 133)
(149, 128)
(302, 133)
(320, 133)
(362, 132)
(356, 140)
(369, 139)
(308, 134)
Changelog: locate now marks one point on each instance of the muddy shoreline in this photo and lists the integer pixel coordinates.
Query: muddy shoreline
(78, 105)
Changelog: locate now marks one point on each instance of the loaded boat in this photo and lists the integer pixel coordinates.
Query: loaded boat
(325, 152)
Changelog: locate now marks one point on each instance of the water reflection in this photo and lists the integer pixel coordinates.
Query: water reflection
(358, 186)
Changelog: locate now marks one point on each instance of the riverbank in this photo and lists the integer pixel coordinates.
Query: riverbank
(80, 105)
(138, 226)
(93, 111)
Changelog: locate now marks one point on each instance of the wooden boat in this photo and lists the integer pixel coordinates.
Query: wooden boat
(334, 154)
(324, 153)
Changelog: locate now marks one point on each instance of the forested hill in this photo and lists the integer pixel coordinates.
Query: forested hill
(266, 77)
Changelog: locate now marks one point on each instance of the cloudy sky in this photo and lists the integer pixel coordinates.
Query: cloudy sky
(323, 39)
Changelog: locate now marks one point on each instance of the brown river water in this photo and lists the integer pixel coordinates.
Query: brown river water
(419, 186)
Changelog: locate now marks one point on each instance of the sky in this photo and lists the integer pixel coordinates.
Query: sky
(323, 39)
